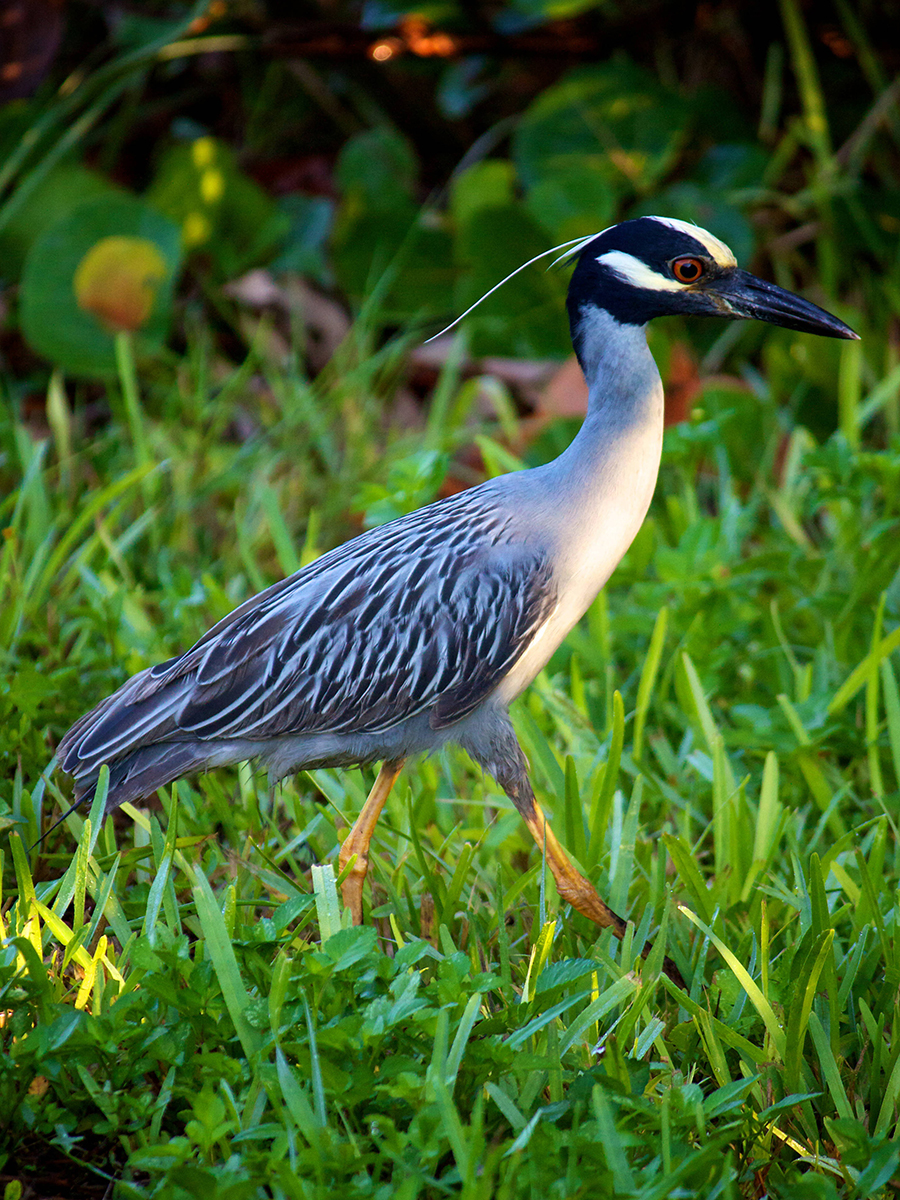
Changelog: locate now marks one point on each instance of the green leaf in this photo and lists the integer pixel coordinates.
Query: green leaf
(61, 328)
(615, 119)
(63, 187)
(573, 200)
(526, 316)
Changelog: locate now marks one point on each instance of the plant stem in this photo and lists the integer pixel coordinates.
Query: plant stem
(131, 396)
(124, 345)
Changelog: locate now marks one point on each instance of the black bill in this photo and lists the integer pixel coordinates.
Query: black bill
(740, 294)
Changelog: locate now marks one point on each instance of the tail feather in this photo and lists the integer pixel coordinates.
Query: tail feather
(135, 733)
(142, 772)
(130, 717)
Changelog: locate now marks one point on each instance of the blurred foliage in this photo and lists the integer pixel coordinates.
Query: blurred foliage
(219, 210)
(326, 147)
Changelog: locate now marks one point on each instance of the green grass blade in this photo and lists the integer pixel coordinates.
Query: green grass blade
(769, 810)
(328, 906)
(622, 860)
(649, 672)
(162, 876)
(281, 537)
(829, 1068)
(612, 1142)
(445, 915)
(871, 706)
(892, 712)
(315, 1067)
(463, 1033)
(506, 1106)
(757, 999)
(887, 1111)
(603, 803)
(574, 813)
(452, 1126)
(801, 1007)
(617, 993)
(690, 876)
(297, 1101)
(225, 964)
(694, 700)
(859, 676)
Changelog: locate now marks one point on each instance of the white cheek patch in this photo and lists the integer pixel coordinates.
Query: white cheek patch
(636, 272)
(717, 250)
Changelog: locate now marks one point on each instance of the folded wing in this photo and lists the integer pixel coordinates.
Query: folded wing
(427, 613)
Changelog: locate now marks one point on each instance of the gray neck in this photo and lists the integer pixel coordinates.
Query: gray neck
(624, 393)
(599, 489)
(588, 504)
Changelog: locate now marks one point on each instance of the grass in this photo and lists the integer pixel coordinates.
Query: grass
(185, 1008)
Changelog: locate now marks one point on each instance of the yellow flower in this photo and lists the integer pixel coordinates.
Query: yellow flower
(117, 281)
(203, 151)
(212, 185)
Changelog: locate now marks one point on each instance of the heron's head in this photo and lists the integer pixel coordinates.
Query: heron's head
(658, 266)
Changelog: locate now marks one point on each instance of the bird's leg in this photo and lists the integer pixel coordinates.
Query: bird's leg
(357, 840)
(570, 883)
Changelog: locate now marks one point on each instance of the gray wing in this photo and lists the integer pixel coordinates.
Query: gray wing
(428, 612)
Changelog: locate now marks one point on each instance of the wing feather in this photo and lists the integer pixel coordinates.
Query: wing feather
(427, 613)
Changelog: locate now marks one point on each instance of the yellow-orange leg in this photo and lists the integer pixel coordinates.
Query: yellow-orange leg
(357, 840)
(572, 885)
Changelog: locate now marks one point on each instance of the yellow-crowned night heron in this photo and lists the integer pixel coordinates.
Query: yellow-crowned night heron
(422, 631)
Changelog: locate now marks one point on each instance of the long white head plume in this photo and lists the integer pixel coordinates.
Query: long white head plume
(579, 244)
(717, 250)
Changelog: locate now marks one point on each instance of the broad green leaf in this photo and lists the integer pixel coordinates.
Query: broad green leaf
(615, 118)
(107, 264)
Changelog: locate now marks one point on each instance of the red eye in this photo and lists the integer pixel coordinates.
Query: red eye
(688, 270)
